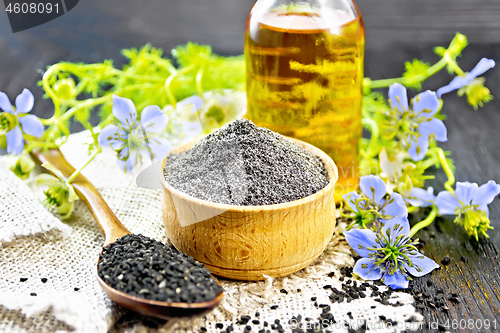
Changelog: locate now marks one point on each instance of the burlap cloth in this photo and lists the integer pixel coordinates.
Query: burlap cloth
(36, 245)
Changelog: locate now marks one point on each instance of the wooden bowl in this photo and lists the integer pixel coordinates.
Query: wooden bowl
(248, 242)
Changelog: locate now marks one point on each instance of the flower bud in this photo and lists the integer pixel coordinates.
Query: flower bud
(21, 165)
(65, 89)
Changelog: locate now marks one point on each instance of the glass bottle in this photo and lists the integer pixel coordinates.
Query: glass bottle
(304, 63)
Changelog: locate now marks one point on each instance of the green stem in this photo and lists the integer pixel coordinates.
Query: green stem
(412, 209)
(48, 89)
(448, 185)
(171, 79)
(424, 223)
(453, 64)
(372, 124)
(77, 172)
(199, 77)
(87, 103)
(406, 81)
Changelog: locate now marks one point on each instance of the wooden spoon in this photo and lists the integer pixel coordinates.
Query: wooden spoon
(113, 229)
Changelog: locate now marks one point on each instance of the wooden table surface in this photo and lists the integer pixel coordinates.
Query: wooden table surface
(396, 31)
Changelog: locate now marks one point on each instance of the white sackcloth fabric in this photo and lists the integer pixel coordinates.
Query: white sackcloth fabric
(36, 245)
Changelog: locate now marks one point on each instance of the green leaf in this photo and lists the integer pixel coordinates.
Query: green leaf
(83, 115)
(192, 54)
(413, 71)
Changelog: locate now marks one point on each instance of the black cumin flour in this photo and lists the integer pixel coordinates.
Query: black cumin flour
(143, 267)
(242, 164)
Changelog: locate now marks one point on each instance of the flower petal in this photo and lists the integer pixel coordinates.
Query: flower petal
(367, 270)
(124, 110)
(396, 281)
(350, 200)
(466, 192)
(484, 208)
(373, 187)
(397, 95)
(396, 206)
(124, 166)
(418, 149)
(482, 66)
(5, 103)
(426, 104)
(153, 119)
(107, 135)
(396, 227)
(421, 265)
(32, 125)
(15, 141)
(193, 100)
(421, 198)
(385, 164)
(458, 82)
(486, 193)
(24, 101)
(436, 127)
(159, 147)
(360, 240)
(446, 203)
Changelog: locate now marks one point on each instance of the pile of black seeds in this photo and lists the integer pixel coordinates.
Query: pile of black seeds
(143, 267)
(242, 164)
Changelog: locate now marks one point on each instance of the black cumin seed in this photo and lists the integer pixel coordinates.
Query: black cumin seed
(33, 294)
(43, 280)
(446, 260)
(23, 279)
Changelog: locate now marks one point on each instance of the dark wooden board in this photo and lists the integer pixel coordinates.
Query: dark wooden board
(396, 31)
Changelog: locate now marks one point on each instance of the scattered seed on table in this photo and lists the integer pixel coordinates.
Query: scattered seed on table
(33, 294)
(23, 279)
(76, 289)
(219, 325)
(143, 267)
(44, 280)
(242, 164)
(446, 260)
(274, 307)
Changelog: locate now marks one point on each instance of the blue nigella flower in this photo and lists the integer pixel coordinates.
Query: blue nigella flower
(15, 121)
(470, 204)
(388, 254)
(458, 82)
(373, 203)
(418, 124)
(133, 140)
(421, 198)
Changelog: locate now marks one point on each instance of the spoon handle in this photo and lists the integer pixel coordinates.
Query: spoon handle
(109, 224)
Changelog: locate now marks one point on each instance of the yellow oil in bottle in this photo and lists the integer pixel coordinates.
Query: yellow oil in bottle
(304, 80)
